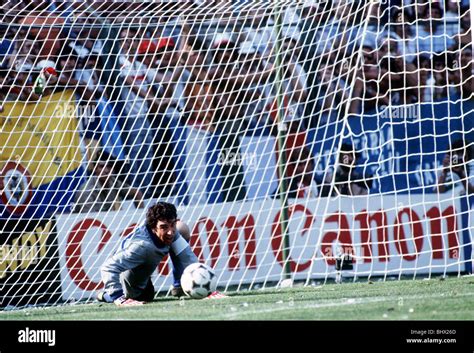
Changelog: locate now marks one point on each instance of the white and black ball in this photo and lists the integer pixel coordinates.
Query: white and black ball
(198, 280)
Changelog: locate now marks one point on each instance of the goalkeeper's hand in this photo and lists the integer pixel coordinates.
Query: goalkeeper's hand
(122, 301)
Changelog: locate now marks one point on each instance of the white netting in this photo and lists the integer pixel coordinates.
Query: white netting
(288, 133)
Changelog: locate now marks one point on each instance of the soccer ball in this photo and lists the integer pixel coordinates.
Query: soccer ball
(198, 281)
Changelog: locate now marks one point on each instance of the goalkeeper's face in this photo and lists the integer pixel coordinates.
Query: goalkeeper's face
(166, 230)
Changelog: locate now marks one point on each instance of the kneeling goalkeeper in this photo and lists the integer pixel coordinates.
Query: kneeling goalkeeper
(127, 274)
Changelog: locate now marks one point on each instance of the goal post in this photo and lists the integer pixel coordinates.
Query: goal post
(315, 141)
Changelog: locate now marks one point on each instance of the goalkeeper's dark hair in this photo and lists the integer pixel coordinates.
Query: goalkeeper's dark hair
(161, 211)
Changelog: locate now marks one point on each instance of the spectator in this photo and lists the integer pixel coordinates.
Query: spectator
(174, 75)
(25, 51)
(318, 27)
(254, 93)
(294, 77)
(432, 32)
(162, 74)
(397, 78)
(86, 98)
(463, 39)
(301, 170)
(403, 35)
(319, 30)
(68, 64)
(103, 191)
(375, 27)
(134, 91)
(243, 91)
(426, 83)
(458, 169)
(230, 81)
(98, 121)
(217, 83)
(90, 73)
(3, 87)
(451, 10)
(366, 94)
(19, 84)
(197, 101)
(444, 88)
(20, 69)
(452, 15)
(293, 85)
(331, 93)
(6, 48)
(47, 32)
(258, 31)
(347, 180)
(159, 64)
(466, 72)
(84, 32)
(218, 86)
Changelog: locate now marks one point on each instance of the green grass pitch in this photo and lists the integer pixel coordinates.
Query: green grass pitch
(434, 299)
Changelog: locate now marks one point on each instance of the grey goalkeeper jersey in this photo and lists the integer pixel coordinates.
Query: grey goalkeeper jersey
(138, 256)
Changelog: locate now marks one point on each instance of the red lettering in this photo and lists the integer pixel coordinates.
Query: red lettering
(277, 237)
(435, 216)
(365, 220)
(450, 215)
(233, 226)
(416, 231)
(163, 267)
(74, 262)
(212, 238)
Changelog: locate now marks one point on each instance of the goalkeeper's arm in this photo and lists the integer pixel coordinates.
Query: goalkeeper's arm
(181, 253)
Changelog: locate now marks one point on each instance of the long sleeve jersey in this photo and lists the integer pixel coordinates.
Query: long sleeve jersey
(141, 252)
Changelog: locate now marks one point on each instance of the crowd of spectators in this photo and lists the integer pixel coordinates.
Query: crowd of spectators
(225, 69)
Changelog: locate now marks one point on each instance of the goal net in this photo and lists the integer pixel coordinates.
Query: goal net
(310, 141)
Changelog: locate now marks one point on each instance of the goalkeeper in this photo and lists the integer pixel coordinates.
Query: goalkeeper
(127, 274)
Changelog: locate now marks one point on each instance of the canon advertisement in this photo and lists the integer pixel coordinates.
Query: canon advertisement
(384, 236)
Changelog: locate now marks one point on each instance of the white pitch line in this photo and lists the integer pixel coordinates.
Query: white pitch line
(346, 302)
